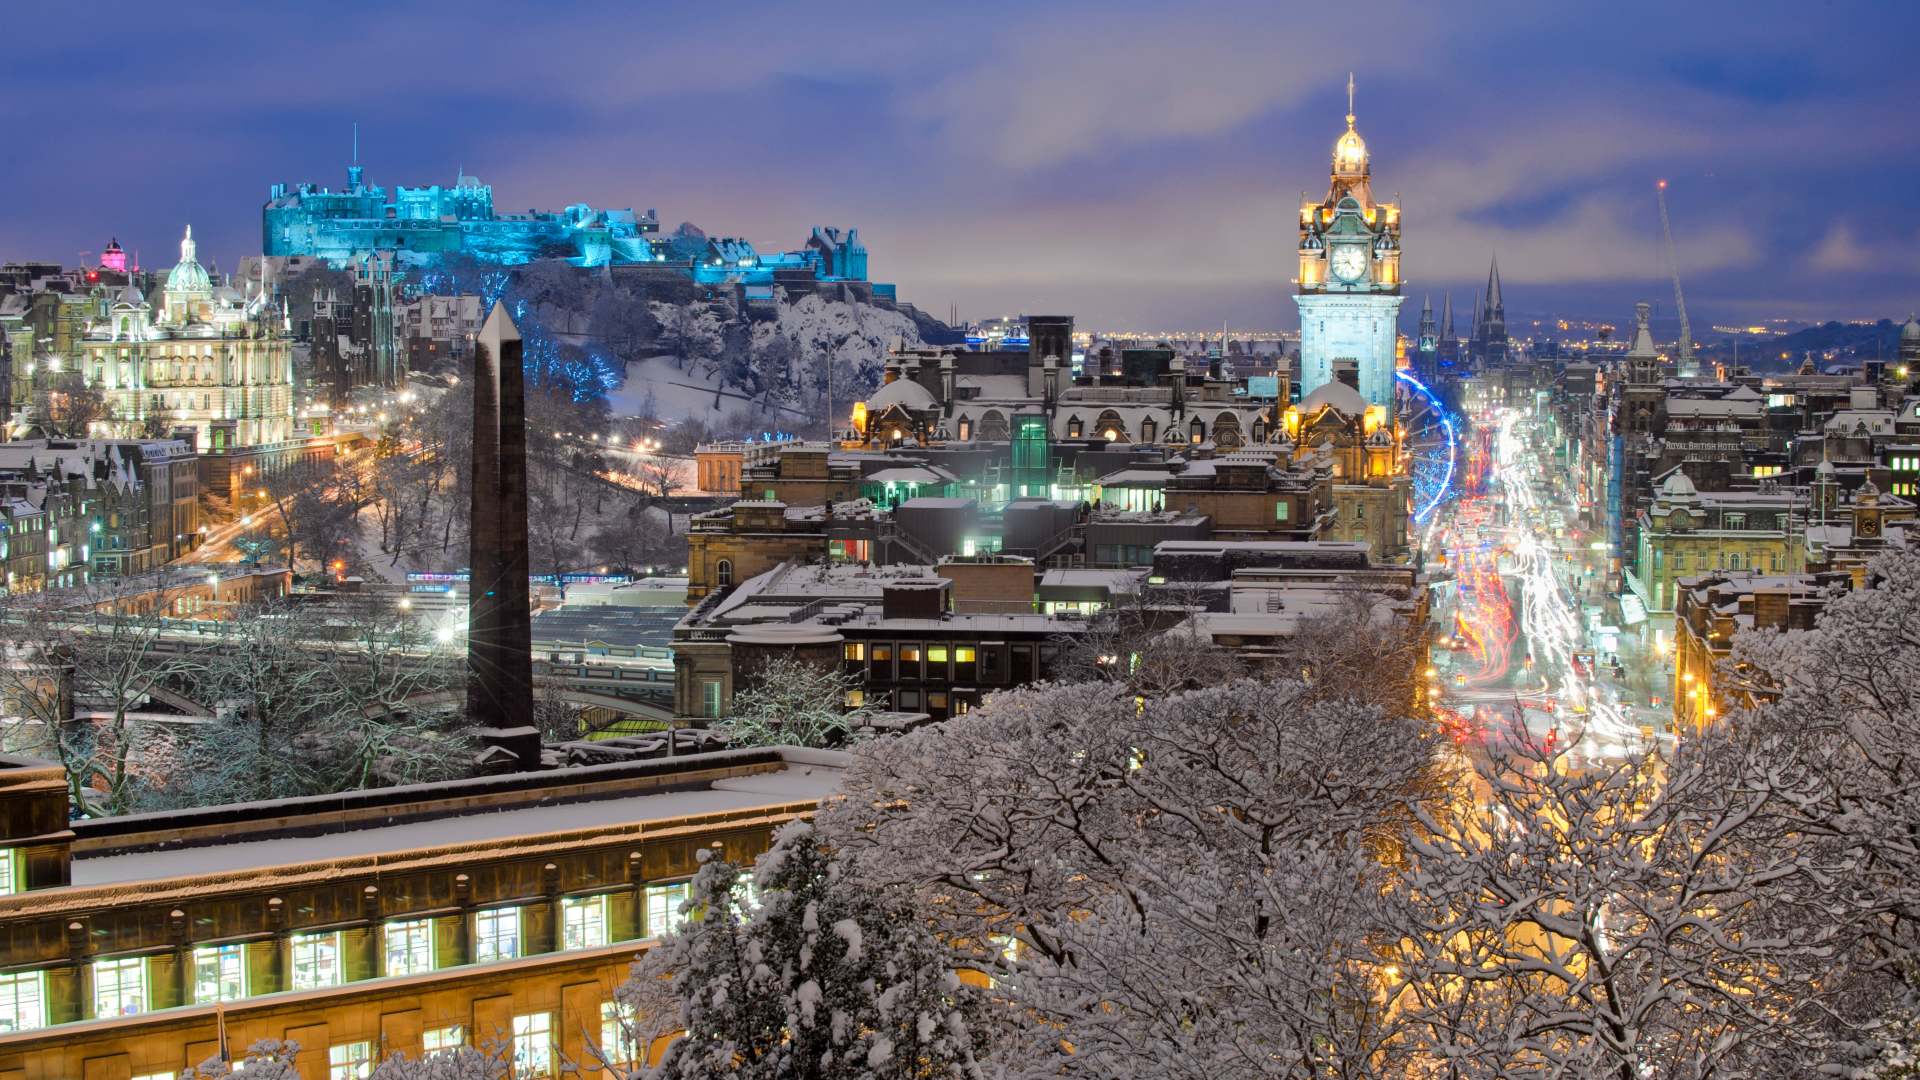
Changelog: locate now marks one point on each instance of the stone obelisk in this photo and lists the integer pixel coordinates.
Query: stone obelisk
(499, 622)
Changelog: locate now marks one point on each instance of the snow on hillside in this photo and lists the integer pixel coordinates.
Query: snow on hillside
(773, 372)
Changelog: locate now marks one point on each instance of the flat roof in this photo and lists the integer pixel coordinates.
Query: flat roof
(801, 776)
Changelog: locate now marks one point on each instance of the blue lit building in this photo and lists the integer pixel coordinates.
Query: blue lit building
(421, 224)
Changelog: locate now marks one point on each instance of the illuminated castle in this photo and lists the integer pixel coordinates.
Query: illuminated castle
(420, 224)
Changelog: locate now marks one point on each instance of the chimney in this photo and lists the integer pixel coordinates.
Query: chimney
(914, 598)
(1051, 335)
(946, 385)
(1177, 382)
(1050, 377)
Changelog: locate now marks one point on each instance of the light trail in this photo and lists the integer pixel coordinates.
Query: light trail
(1550, 617)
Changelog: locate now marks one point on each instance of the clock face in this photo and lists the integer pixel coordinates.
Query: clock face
(1349, 262)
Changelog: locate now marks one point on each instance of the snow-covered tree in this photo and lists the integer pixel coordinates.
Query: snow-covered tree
(786, 701)
(809, 973)
(1626, 917)
(268, 1059)
(1832, 728)
(1188, 886)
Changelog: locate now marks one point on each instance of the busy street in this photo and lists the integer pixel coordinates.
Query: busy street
(1519, 609)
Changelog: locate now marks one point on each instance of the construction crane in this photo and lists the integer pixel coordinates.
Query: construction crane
(1688, 368)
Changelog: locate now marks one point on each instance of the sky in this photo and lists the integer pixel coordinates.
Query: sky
(1136, 164)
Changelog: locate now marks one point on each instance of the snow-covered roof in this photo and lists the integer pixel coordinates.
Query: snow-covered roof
(1337, 395)
(801, 776)
(905, 393)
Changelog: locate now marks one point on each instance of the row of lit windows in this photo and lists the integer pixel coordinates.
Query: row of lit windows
(121, 985)
(532, 1047)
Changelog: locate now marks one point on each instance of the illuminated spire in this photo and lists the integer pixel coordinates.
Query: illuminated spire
(187, 247)
(1350, 150)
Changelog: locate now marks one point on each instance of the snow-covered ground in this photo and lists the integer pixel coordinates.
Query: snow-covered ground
(658, 385)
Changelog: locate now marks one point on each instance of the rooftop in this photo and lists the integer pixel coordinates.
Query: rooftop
(248, 837)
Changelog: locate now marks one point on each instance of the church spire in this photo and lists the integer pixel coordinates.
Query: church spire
(1494, 303)
(1446, 319)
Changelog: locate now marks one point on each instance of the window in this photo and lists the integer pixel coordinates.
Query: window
(219, 973)
(533, 1045)
(855, 651)
(710, 697)
(496, 934)
(350, 1061)
(119, 987)
(1073, 427)
(439, 1040)
(936, 654)
(616, 1033)
(1281, 508)
(747, 892)
(723, 573)
(409, 946)
(882, 654)
(23, 1001)
(316, 961)
(1736, 521)
(9, 872)
(966, 429)
(583, 922)
(663, 907)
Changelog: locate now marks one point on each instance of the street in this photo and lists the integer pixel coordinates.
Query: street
(1514, 643)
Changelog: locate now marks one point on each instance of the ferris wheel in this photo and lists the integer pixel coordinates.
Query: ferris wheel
(1431, 444)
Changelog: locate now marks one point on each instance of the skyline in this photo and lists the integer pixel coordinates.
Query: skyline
(1134, 167)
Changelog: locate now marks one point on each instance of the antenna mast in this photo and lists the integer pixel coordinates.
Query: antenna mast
(1688, 368)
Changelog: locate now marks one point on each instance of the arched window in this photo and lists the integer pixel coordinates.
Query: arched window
(993, 426)
(1196, 432)
(966, 429)
(1073, 427)
(1226, 431)
(723, 573)
(1148, 429)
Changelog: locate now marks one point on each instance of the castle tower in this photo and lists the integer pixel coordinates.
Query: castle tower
(1348, 289)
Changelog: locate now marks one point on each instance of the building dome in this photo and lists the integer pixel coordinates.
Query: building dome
(906, 393)
(1350, 152)
(1678, 486)
(1343, 398)
(188, 276)
(1911, 331)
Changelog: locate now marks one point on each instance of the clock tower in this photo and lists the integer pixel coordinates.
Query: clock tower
(1349, 283)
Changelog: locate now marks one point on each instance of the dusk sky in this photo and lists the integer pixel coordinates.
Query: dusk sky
(1135, 164)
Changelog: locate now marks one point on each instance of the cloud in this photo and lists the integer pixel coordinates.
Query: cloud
(1051, 91)
(1840, 251)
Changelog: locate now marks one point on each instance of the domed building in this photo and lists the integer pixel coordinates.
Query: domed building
(1370, 478)
(197, 355)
